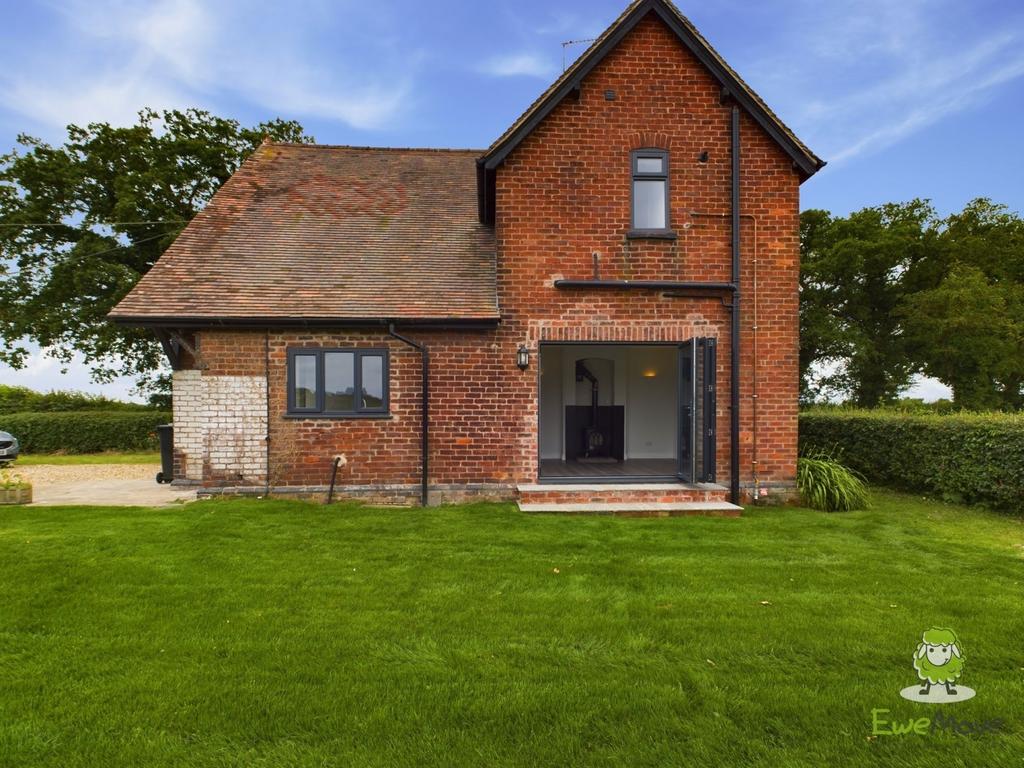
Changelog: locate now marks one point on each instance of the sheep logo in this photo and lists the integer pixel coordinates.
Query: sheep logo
(939, 662)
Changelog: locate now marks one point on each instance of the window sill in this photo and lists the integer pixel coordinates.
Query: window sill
(651, 234)
(338, 416)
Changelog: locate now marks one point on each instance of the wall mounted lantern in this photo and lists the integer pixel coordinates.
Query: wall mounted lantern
(523, 357)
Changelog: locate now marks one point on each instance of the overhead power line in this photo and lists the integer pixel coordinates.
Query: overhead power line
(105, 251)
(97, 223)
(126, 245)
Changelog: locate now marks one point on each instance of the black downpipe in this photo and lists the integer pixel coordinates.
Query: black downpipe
(424, 407)
(734, 377)
(266, 375)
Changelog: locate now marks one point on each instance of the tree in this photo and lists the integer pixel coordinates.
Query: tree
(967, 328)
(82, 222)
(968, 332)
(821, 333)
(855, 272)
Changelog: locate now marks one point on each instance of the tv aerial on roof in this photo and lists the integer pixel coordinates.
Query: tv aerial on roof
(567, 43)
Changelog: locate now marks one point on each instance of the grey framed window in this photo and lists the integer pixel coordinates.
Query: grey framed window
(338, 382)
(650, 206)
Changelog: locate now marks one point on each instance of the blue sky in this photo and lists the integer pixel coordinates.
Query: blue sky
(904, 98)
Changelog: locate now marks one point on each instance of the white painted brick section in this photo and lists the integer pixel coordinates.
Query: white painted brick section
(189, 436)
(220, 424)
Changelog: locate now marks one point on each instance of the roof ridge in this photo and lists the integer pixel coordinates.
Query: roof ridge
(310, 145)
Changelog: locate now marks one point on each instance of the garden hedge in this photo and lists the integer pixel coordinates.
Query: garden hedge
(963, 457)
(84, 431)
(25, 400)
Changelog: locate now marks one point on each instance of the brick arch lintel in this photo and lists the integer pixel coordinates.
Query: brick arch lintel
(649, 140)
(695, 325)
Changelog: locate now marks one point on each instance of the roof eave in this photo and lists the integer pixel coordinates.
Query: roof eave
(201, 321)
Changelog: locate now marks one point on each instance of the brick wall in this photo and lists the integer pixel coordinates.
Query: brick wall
(563, 195)
(471, 427)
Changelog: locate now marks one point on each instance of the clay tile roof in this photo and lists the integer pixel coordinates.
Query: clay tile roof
(696, 42)
(312, 232)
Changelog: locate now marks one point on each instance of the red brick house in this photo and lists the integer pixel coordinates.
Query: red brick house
(599, 308)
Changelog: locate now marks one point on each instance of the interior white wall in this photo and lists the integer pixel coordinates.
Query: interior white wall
(651, 412)
(552, 413)
(650, 402)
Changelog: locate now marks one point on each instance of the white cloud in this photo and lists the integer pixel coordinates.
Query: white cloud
(112, 98)
(884, 70)
(925, 93)
(122, 56)
(43, 373)
(523, 64)
(853, 31)
(372, 105)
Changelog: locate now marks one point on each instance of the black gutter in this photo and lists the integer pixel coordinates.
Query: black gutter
(657, 285)
(424, 407)
(450, 323)
(734, 376)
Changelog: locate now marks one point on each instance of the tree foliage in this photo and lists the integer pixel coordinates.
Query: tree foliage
(855, 273)
(892, 291)
(80, 223)
(967, 329)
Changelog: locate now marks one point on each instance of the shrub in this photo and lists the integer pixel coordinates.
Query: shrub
(9, 481)
(25, 400)
(827, 485)
(961, 457)
(85, 431)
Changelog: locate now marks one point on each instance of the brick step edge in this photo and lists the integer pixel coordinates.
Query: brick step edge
(577, 487)
(636, 509)
(678, 496)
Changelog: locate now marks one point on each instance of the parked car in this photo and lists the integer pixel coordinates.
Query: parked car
(8, 447)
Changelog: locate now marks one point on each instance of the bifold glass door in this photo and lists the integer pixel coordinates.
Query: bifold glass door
(697, 406)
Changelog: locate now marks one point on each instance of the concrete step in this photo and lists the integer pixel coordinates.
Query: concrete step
(637, 509)
(621, 493)
(628, 499)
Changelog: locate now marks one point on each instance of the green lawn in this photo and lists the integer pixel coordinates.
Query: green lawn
(269, 633)
(28, 460)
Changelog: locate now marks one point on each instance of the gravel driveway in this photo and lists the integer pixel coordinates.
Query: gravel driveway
(100, 484)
